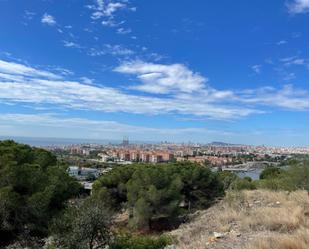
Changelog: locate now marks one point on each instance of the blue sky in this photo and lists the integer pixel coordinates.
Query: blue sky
(233, 71)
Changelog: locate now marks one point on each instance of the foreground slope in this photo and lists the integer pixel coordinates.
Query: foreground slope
(258, 219)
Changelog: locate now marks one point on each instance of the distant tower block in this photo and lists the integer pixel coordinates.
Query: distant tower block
(125, 141)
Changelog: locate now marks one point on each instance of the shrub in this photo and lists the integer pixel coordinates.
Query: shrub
(293, 178)
(227, 178)
(241, 184)
(271, 172)
(84, 225)
(297, 177)
(140, 242)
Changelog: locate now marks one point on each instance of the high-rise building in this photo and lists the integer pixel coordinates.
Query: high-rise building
(125, 141)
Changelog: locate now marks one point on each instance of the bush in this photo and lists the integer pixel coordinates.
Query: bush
(241, 184)
(83, 225)
(271, 172)
(140, 242)
(227, 178)
(297, 177)
(293, 178)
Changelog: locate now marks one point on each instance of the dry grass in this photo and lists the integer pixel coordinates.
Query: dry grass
(300, 240)
(265, 220)
(266, 210)
(280, 219)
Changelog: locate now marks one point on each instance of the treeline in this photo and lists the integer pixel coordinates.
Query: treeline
(292, 177)
(159, 194)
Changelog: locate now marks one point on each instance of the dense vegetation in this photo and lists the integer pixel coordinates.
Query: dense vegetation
(158, 194)
(39, 199)
(84, 224)
(33, 189)
(88, 224)
(295, 176)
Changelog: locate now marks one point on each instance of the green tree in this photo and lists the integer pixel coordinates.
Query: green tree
(297, 177)
(152, 193)
(85, 225)
(271, 172)
(32, 189)
(164, 191)
(227, 178)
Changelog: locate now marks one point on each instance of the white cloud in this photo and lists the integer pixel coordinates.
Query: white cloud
(12, 68)
(64, 71)
(288, 97)
(48, 19)
(106, 8)
(113, 7)
(86, 80)
(123, 31)
(116, 50)
(289, 76)
(70, 44)
(37, 88)
(77, 95)
(29, 15)
(133, 9)
(52, 120)
(256, 68)
(106, 12)
(298, 6)
(71, 94)
(294, 60)
(298, 62)
(282, 42)
(159, 78)
(112, 23)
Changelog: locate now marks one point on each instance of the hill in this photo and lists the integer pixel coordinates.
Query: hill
(257, 219)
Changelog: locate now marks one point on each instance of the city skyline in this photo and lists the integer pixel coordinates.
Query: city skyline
(225, 71)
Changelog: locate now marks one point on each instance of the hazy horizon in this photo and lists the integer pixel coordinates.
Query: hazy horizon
(48, 141)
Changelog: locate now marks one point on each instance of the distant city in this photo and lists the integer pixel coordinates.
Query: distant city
(126, 151)
(88, 159)
(88, 142)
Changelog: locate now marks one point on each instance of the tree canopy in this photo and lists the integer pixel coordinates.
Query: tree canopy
(33, 188)
(270, 172)
(83, 225)
(159, 191)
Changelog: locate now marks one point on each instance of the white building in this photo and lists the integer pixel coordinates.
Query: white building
(82, 173)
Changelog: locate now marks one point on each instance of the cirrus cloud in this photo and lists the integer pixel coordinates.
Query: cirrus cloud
(298, 6)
